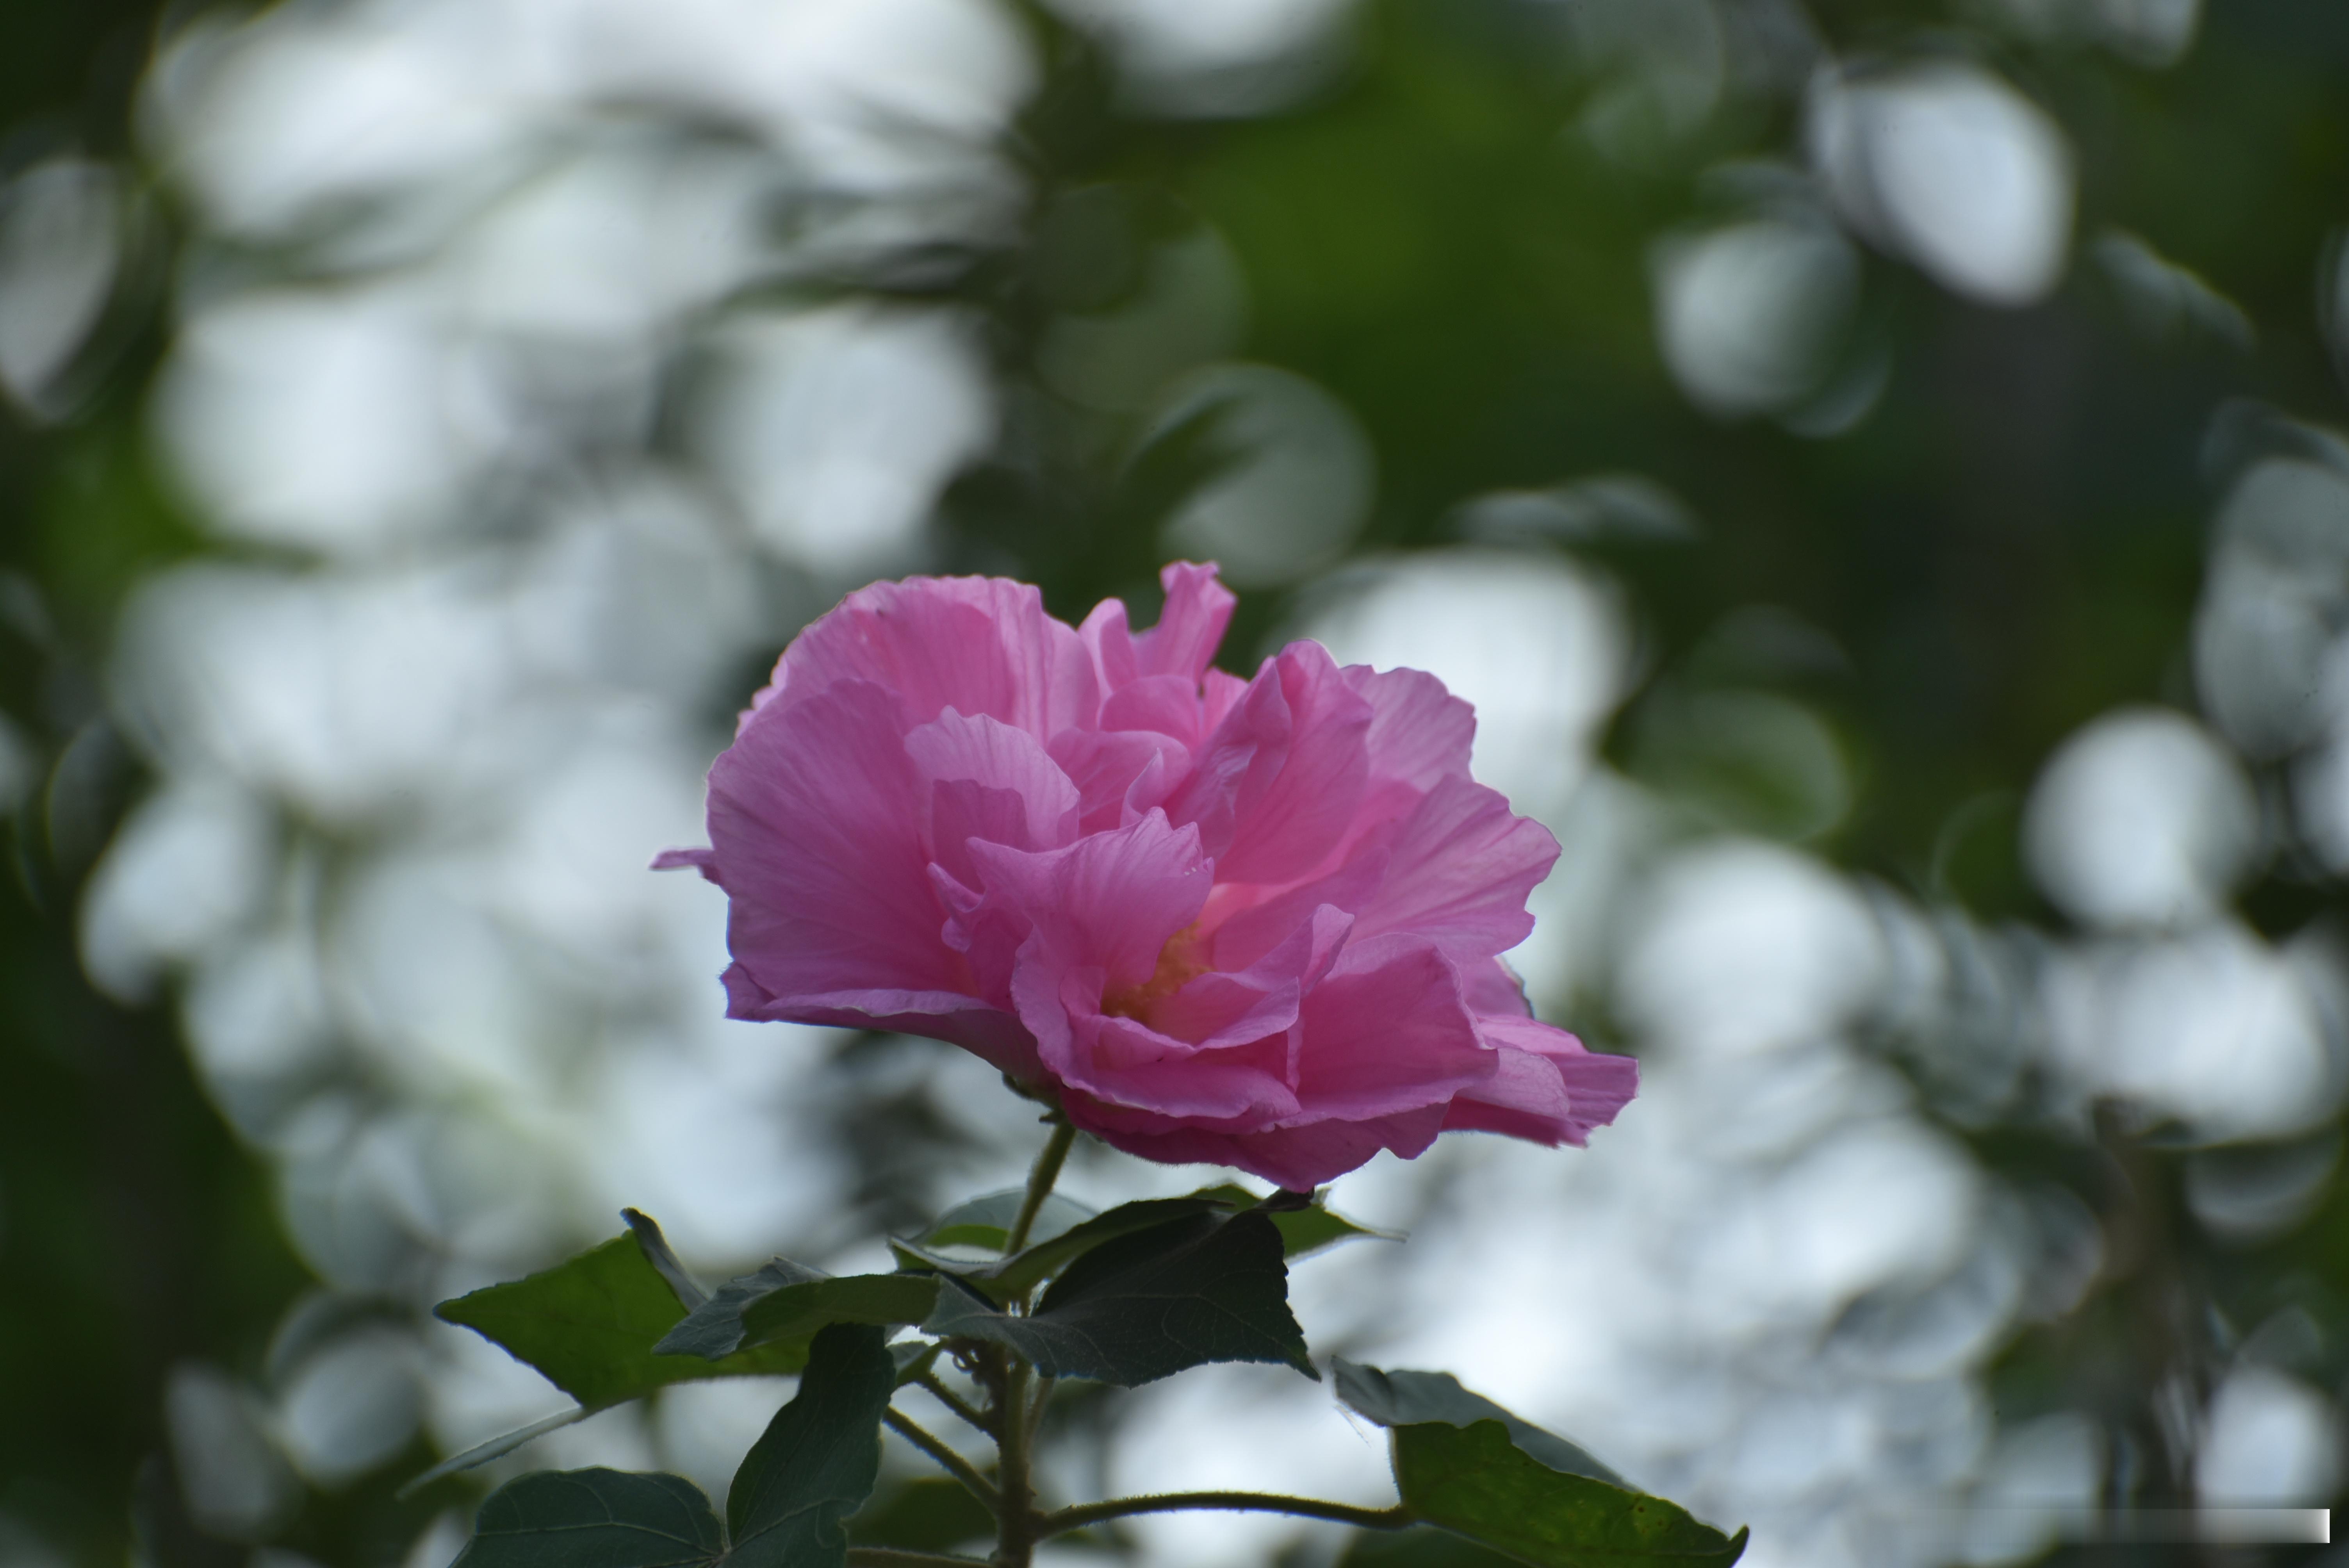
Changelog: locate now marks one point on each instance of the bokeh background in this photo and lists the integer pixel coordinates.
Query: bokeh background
(1877, 467)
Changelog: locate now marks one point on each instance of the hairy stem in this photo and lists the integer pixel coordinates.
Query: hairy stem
(956, 1403)
(961, 1469)
(1016, 1519)
(1039, 1181)
(1077, 1518)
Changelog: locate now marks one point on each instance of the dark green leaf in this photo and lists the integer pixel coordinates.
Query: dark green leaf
(779, 1306)
(590, 1325)
(1015, 1276)
(922, 1514)
(1305, 1228)
(1464, 1463)
(594, 1519)
(816, 1462)
(1141, 1307)
(1409, 1399)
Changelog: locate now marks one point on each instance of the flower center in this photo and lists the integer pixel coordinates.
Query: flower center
(1181, 961)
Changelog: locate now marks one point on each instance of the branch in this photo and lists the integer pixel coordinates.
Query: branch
(977, 1485)
(956, 1403)
(1077, 1518)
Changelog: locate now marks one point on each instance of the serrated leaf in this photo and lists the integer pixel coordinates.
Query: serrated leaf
(1468, 1466)
(590, 1324)
(816, 1462)
(594, 1519)
(1200, 1288)
(779, 1306)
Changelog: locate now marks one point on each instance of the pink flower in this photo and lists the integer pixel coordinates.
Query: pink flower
(1249, 923)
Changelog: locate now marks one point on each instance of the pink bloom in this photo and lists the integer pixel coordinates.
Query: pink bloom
(1250, 923)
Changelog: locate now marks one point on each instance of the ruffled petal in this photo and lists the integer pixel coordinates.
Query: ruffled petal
(1387, 1030)
(815, 827)
(1184, 642)
(988, 781)
(1420, 733)
(1299, 1157)
(1548, 1088)
(977, 644)
(1459, 870)
(1276, 787)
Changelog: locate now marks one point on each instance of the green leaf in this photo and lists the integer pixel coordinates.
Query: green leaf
(1141, 1307)
(986, 1222)
(816, 1462)
(1304, 1228)
(1303, 1224)
(922, 1514)
(590, 1325)
(781, 1305)
(594, 1519)
(1464, 1464)
(1409, 1399)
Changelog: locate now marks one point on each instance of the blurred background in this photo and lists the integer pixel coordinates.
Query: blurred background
(1877, 467)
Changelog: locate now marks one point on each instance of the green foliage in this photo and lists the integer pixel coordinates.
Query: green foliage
(594, 1519)
(986, 1220)
(590, 1325)
(1466, 1465)
(1304, 1226)
(816, 1462)
(1144, 1305)
(778, 1308)
(813, 1467)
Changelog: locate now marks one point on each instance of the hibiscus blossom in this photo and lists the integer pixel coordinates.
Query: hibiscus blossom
(1256, 923)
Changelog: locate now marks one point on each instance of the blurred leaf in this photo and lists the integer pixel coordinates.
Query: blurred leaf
(1466, 1465)
(922, 1515)
(590, 1325)
(816, 1462)
(567, 1519)
(779, 1306)
(986, 1221)
(1147, 1304)
(1422, 1546)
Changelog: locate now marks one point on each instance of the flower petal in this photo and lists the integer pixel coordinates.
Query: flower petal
(977, 644)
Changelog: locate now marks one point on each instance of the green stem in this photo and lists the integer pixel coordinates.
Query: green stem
(1077, 1518)
(895, 1557)
(956, 1465)
(956, 1403)
(1016, 1519)
(1039, 1181)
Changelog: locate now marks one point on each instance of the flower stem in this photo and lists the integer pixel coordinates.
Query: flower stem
(956, 1465)
(1039, 1181)
(1077, 1518)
